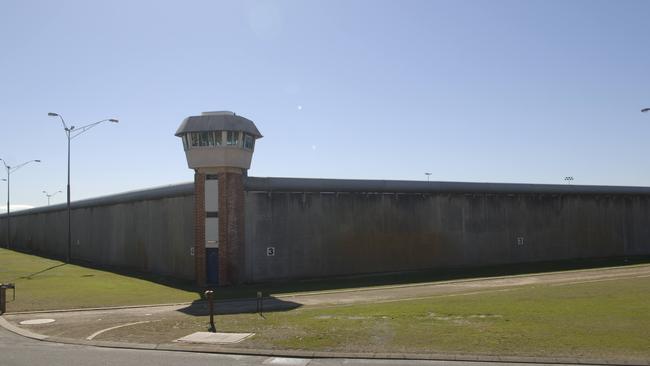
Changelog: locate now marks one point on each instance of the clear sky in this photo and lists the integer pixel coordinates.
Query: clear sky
(481, 91)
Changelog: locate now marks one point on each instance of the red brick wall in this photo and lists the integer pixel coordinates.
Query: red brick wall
(231, 228)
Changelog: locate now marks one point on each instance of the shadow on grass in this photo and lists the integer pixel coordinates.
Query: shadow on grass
(442, 274)
(168, 281)
(29, 277)
(249, 291)
(240, 306)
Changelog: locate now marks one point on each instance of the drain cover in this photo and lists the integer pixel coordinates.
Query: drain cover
(215, 338)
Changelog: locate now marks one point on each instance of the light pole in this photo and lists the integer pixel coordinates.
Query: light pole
(50, 195)
(72, 132)
(428, 175)
(10, 170)
(568, 180)
(644, 110)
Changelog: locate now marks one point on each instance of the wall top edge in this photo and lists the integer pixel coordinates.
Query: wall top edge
(173, 190)
(278, 184)
(273, 184)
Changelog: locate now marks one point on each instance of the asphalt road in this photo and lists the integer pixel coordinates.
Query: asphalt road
(16, 350)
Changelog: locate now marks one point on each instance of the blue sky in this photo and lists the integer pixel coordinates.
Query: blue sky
(481, 91)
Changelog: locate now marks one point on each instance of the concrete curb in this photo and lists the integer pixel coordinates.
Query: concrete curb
(96, 309)
(200, 348)
(23, 332)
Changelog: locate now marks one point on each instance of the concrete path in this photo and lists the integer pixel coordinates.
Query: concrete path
(463, 287)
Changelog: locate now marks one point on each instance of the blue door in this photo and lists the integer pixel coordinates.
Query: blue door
(212, 265)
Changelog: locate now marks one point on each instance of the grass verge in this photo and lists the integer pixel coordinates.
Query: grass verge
(43, 284)
(607, 319)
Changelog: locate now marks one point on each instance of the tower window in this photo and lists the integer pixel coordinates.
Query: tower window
(195, 139)
(204, 138)
(186, 144)
(216, 136)
(233, 138)
(249, 142)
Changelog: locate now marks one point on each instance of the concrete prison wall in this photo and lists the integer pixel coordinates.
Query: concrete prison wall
(322, 228)
(306, 228)
(150, 230)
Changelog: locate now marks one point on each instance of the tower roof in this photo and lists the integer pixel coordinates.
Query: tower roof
(218, 121)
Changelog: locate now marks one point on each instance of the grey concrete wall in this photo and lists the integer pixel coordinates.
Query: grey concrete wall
(324, 228)
(150, 230)
(353, 228)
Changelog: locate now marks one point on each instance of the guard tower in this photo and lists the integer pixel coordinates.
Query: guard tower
(219, 147)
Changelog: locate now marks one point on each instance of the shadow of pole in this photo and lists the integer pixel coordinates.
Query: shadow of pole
(29, 277)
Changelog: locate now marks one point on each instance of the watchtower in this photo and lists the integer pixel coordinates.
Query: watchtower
(219, 147)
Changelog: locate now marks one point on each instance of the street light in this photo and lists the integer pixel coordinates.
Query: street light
(568, 180)
(50, 195)
(644, 110)
(428, 175)
(10, 170)
(72, 132)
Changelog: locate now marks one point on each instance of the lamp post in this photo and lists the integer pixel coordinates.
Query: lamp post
(50, 195)
(72, 132)
(644, 110)
(4, 180)
(428, 175)
(10, 170)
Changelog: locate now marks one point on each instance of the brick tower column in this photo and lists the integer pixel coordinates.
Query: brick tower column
(219, 147)
(231, 227)
(199, 228)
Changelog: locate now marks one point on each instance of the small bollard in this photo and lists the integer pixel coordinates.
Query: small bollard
(260, 303)
(208, 294)
(3, 295)
(3, 299)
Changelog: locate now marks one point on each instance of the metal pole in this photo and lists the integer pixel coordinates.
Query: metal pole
(68, 132)
(209, 293)
(9, 194)
(8, 210)
(69, 223)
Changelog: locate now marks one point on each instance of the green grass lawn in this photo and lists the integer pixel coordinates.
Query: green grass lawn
(49, 284)
(609, 319)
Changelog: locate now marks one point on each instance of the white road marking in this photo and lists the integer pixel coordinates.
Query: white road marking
(37, 321)
(90, 337)
(285, 361)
